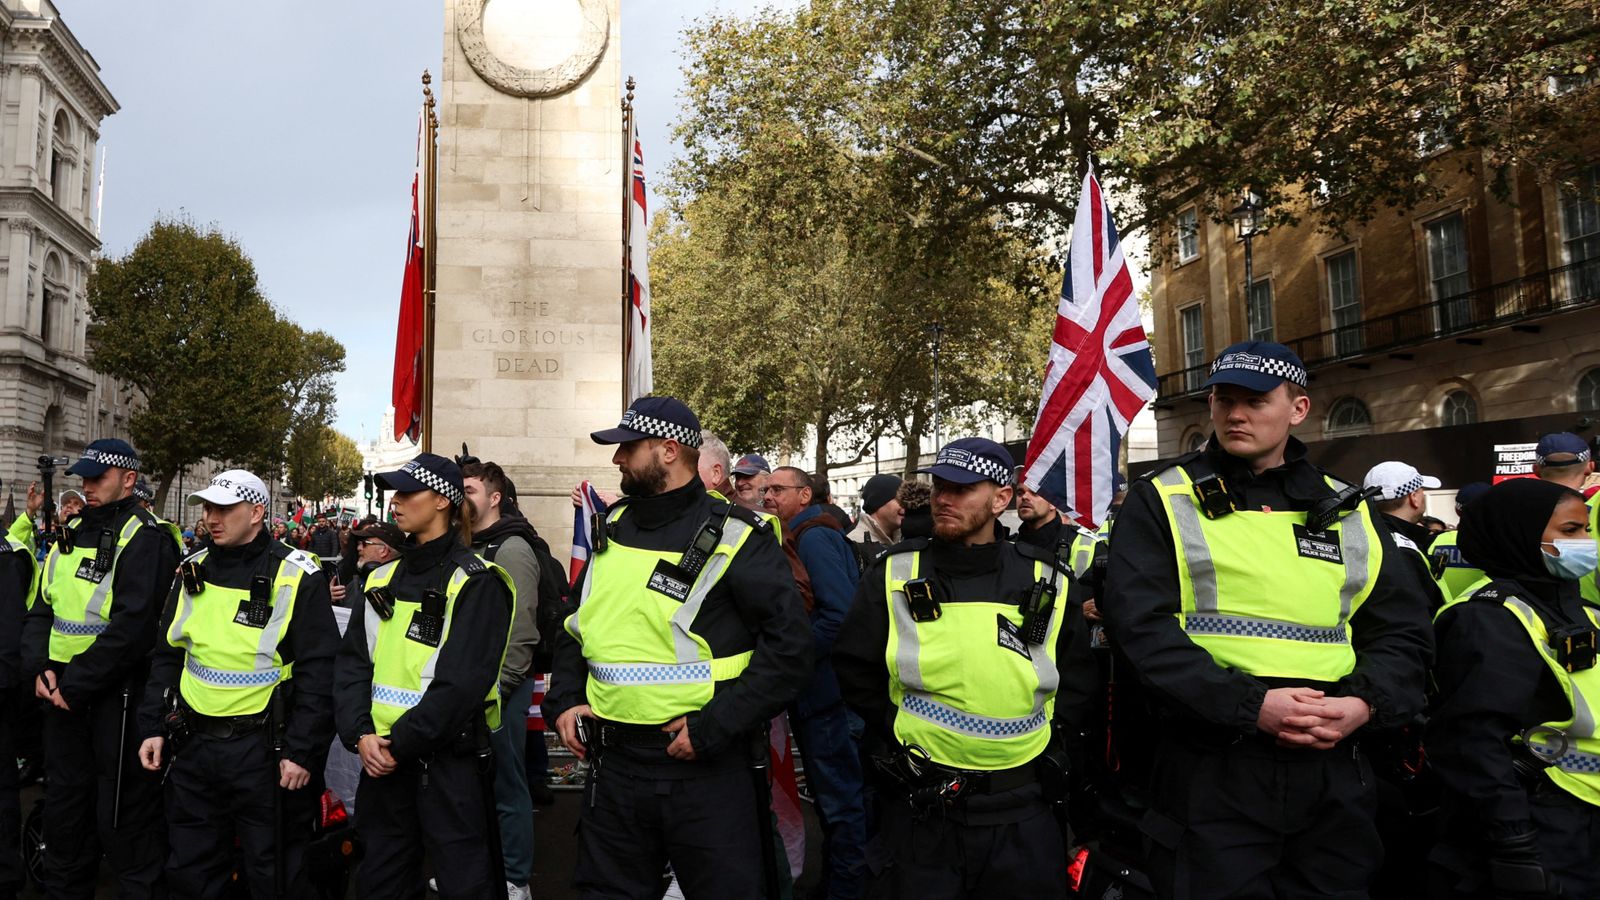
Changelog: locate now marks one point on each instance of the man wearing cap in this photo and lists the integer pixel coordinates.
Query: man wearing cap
(1567, 460)
(689, 637)
(964, 654)
(239, 705)
(750, 475)
(376, 543)
(1450, 569)
(85, 643)
(880, 514)
(1400, 494)
(1272, 619)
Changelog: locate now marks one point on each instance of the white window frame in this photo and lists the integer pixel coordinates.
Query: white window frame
(1188, 235)
(1447, 409)
(1580, 240)
(1441, 285)
(1192, 355)
(1330, 429)
(1345, 342)
(1258, 330)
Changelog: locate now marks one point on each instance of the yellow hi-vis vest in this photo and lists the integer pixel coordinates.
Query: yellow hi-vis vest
(1571, 747)
(1456, 575)
(230, 667)
(23, 550)
(81, 606)
(1589, 585)
(1263, 594)
(966, 687)
(402, 667)
(636, 626)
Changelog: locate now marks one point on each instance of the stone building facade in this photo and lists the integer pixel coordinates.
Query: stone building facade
(53, 104)
(1441, 329)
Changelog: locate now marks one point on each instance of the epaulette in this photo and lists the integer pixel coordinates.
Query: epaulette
(1044, 555)
(1493, 592)
(907, 545)
(759, 522)
(144, 515)
(280, 550)
(469, 562)
(194, 554)
(1401, 540)
(1183, 460)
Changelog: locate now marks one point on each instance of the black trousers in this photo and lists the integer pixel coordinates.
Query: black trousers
(399, 819)
(1569, 848)
(81, 765)
(1251, 820)
(1016, 853)
(633, 824)
(11, 876)
(219, 790)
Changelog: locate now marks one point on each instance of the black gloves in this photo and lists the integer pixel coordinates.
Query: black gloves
(1515, 872)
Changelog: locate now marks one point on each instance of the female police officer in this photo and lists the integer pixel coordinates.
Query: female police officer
(1513, 732)
(415, 694)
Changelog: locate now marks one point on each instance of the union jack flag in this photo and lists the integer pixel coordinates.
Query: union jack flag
(1100, 373)
(583, 530)
(640, 379)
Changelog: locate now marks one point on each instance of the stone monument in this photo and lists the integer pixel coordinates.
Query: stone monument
(528, 311)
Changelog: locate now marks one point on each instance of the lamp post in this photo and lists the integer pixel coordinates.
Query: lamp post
(1247, 221)
(937, 330)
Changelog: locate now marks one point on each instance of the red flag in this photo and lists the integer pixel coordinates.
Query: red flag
(408, 349)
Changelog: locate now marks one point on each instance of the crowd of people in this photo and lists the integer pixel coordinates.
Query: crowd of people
(1254, 679)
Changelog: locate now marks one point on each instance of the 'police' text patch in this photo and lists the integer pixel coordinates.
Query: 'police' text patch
(670, 580)
(88, 572)
(1009, 636)
(1323, 545)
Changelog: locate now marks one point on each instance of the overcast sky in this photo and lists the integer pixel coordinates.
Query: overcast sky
(292, 126)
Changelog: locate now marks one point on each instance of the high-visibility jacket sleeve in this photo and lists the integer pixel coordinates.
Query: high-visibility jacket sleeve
(166, 667)
(352, 678)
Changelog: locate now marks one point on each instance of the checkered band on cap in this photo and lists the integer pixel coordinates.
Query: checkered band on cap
(130, 463)
(1402, 490)
(1265, 365)
(243, 491)
(998, 473)
(661, 428)
(433, 480)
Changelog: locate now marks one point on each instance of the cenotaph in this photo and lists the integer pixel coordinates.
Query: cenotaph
(528, 313)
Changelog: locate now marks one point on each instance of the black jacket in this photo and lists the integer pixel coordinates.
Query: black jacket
(142, 576)
(1047, 535)
(16, 578)
(1391, 632)
(309, 641)
(468, 664)
(984, 572)
(754, 607)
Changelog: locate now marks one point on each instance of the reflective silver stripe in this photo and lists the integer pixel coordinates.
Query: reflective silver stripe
(907, 657)
(951, 719)
(457, 579)
(1242, 626)
(389, 695)
(1044, 664)
(370, 619)
(1583, 724)
(102, 591)
(267, 646)
(734, 531)
(175, 634)
(1353, 535)
(1192, 538)
(651, 673)
(224, 678)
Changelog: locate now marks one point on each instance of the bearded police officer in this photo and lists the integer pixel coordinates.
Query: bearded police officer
(85, 643)
(689, 637)
(1272, 618)
(965, 655)
(240, 700)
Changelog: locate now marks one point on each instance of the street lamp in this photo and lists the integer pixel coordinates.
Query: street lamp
(1247, 221)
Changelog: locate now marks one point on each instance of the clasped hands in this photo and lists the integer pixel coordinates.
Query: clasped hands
(1305, 717)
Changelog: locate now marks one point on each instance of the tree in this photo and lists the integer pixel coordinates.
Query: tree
(323, 462)
(182, 318)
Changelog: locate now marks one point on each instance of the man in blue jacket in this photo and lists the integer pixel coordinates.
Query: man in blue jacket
(822, 724)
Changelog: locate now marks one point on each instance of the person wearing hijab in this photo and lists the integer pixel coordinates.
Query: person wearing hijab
(1512, 737)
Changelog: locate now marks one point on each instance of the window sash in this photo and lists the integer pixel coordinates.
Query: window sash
(1344, 298)
(1259, 311)
(1194, 344)
(1188, 235)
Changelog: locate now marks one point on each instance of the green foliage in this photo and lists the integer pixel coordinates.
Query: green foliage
(182, 319)
(323, 462)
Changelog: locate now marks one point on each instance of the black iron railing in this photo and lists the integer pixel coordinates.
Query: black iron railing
(1507, 303)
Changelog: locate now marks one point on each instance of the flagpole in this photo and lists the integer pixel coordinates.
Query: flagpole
(428, 202)
(627, 238)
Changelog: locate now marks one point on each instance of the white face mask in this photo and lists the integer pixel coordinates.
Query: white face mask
(1573, 559)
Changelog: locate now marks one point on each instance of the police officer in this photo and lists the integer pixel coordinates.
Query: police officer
(1450, 568)
(690, 636)
(85, 643)
(416, 693)
(961, 654)
(1399, 494)
(240, 700)
(1512, 733)
(18, 576)
(1271, 618)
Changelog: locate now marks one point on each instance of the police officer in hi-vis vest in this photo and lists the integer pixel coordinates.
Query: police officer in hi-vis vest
(18, 584)
(1512, 732)
(967, 657)
(416, 692)
(240, 701)
(85, 644)
(689, 637)
(1271, 617)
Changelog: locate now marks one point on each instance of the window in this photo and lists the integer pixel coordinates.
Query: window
(1259, 311)
(1580, 234)
(1348, 417)
(1197, 441)
(1193, 327)
(1188, 235)
(1589, 391)
(1447, 271)
(60, 170)
(1344, 296)
(1458, 408)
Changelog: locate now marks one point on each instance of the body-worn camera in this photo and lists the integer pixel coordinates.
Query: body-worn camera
(919, 596)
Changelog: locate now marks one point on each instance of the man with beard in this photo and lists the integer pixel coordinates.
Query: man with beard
(690, 636)
(964, 654)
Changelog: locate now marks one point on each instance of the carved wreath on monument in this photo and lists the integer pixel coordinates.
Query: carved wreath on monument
(541, 82)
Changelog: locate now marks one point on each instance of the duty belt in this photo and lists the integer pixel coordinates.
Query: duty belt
(623, 734)
(224, 727)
